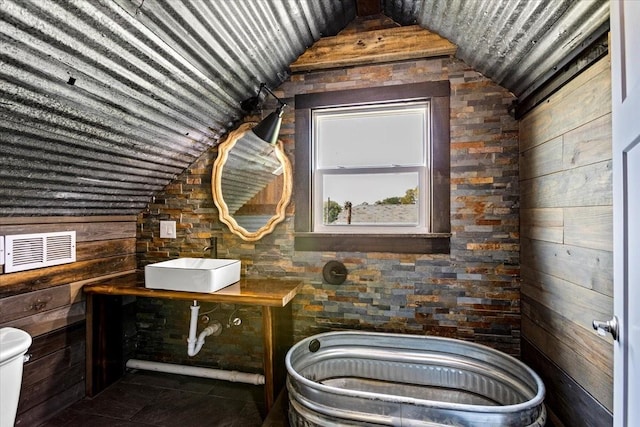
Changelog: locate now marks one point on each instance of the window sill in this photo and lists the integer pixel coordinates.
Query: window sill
(437, 243)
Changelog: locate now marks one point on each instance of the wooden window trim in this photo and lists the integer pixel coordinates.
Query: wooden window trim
(437, 241)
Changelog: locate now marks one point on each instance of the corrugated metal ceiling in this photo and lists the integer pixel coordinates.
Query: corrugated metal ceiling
(103, 103)
(514, 42)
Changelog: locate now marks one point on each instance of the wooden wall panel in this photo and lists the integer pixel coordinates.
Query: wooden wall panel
(589, 268)
(109, 228)
(589, 227)
(587, 144)
(544, 224)
(48, 303)
(541, 159)
(104, 248)
(566, 244)
(564, 342)
(583, 186)
(19, 306)
(568, 403)
(586, 98)
(563, 354)
(576, 303)
(15, 283)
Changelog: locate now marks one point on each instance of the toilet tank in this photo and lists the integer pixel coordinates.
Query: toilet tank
(14, 343)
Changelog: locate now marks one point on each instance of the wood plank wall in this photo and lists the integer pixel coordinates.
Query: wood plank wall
(566, 254)
(48, 303)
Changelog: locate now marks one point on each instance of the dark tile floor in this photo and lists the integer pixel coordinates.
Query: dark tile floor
(143, 398)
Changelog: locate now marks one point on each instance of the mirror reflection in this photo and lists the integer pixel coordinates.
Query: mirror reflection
(251, 183)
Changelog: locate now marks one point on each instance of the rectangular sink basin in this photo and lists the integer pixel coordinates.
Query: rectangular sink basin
(192, 274)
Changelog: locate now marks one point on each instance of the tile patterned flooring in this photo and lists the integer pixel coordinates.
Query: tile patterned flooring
(144, 398)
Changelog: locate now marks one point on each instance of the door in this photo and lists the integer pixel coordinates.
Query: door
(625, 87)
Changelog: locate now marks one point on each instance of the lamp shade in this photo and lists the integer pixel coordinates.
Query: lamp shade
(269, 128)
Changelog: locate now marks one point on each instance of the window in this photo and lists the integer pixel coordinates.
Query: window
(372, 169)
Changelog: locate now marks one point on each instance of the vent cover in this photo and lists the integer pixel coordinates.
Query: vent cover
(29, 251)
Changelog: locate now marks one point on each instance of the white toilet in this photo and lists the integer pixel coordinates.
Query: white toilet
(14, 343)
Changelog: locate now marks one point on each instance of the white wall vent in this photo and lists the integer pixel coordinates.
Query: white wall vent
(29, 251)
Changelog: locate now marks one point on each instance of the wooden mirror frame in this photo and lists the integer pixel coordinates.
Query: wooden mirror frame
(216, 186)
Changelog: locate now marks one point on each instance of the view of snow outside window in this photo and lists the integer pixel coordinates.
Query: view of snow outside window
(371, 168)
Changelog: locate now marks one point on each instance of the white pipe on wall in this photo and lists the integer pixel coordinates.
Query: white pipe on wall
(196, 371)
(193, 325)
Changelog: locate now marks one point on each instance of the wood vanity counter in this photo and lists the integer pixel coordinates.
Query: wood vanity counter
(104, 324)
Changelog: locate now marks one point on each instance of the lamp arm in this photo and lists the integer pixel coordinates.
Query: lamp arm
(264, 86)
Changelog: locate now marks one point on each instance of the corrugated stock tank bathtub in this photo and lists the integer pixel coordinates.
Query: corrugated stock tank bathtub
(367, 378)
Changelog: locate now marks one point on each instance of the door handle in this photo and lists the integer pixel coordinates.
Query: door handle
(610, 326)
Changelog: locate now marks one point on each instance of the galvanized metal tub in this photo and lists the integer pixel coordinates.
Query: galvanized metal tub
(379, 379)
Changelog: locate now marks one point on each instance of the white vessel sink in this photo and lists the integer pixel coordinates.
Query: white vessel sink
(192, 274)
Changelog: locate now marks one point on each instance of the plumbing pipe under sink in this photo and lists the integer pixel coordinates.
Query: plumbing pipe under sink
(196, 371)
(194, 345)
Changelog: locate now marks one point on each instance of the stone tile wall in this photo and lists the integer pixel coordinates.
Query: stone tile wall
(472, 293)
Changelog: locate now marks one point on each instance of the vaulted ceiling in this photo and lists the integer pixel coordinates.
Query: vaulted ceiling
(103, 103)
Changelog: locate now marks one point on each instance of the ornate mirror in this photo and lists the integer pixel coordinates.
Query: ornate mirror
(251, 183)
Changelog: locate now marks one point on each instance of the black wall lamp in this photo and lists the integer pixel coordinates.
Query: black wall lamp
(269, 128)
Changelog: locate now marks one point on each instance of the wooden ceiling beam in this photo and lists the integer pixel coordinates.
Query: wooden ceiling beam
(373, 47)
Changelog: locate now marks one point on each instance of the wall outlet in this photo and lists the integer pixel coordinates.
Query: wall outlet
(167, 229)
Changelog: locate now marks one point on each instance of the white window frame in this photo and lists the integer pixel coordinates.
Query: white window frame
(421, 167)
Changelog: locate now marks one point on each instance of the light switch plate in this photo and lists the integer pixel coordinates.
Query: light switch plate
(167, 229)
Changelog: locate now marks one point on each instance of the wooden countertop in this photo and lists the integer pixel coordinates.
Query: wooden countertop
(264, 292)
